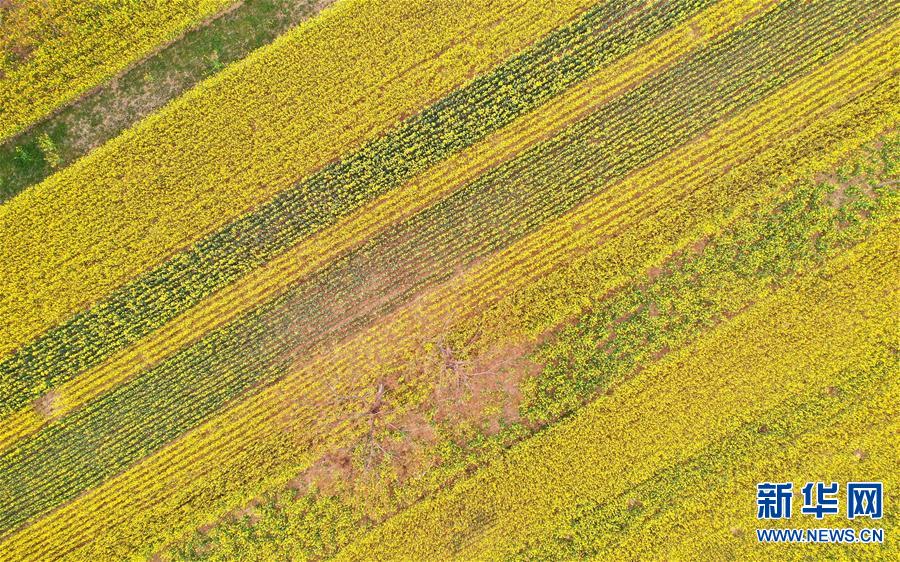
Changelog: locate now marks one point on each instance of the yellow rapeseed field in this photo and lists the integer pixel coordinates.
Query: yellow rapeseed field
(453, 280)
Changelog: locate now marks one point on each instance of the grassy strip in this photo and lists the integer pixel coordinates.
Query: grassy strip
(53, 54)
(341, 79)
(462, 118)
(266, 438)
(88, 122)
(801, 338)
(392, 267)
(425, 189)
(772, 259)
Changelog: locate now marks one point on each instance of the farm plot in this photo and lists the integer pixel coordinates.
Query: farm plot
(530, 276)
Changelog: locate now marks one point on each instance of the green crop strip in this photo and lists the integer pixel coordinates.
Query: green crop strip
(143, 414)
(488, 103)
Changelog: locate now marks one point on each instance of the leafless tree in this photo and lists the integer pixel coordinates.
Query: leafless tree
(373, 409)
